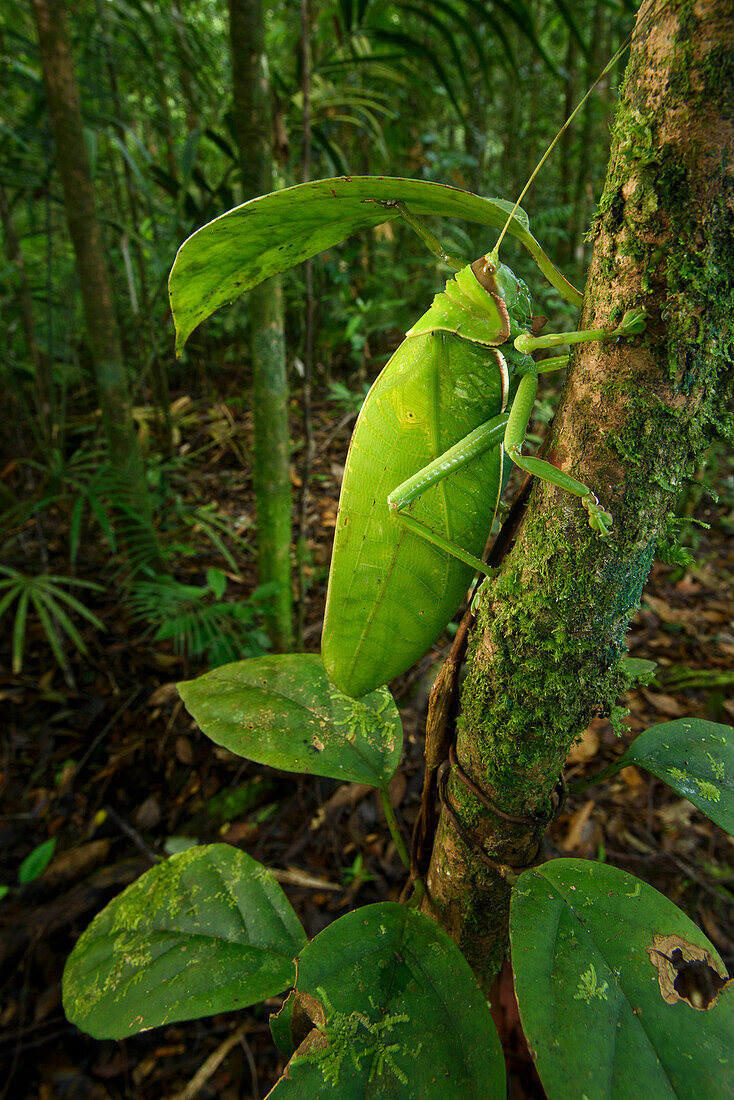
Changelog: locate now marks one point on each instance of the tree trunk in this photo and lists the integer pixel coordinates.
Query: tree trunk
(271, 474)
(308, 337)
(144, 318)
(67, 128)
(635, 419)
(41, 365)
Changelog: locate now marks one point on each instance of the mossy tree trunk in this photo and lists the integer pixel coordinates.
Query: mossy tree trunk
(635, 419)
(253, 125)
(67, 127)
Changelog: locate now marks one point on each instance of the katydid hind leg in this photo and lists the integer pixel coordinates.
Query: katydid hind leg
(484, 438)
(599, 519)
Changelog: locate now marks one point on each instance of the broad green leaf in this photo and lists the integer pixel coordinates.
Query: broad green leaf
(637, 668)
(281, 1026)
(398, 1014)
(274, 232)
(284, 712)
(696, 758)
(206, 931)
(585, 941)
(36, 863)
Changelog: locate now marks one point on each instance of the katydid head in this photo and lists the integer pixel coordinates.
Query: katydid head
(498, 279)
(514, 292)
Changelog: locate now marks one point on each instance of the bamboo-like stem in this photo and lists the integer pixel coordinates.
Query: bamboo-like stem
(392, 824)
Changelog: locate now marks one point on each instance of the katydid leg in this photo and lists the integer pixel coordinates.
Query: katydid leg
(431, 242)
(557, 362)
(484, 438)
(517, 426)
(631, 324)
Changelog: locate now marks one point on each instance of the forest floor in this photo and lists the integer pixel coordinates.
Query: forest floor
(113, 767)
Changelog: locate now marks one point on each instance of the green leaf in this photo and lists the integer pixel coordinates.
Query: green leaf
(217, 582)
(206, 931)
(21, 614)
(274, 232)
(424, 55)
(50, 630)
(56, 593)
(36, 863)
(586, 963)
(284, 712)
(695, 758)
(637, 668)
(4, 890)
(398, 1013)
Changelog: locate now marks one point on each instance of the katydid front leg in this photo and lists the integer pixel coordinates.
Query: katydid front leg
(631, 324)
(431, 242)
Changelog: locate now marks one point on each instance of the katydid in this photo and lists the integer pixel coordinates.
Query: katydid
(434, 423)
(424, 470)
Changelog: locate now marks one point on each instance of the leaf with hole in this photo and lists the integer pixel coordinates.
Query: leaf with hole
(585, 942)
(206, 931)
(390, 1008)
(284, 712)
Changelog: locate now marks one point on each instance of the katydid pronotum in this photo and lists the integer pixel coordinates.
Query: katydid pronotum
(436, 423)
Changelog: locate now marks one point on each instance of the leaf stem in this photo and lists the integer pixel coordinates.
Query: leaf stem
(419, 891)
(605, 773)
(392, 824)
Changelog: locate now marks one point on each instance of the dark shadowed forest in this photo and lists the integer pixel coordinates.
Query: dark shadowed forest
(170, 475)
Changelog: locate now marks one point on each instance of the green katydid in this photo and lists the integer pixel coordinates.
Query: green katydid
(434, 423)
(424, 470)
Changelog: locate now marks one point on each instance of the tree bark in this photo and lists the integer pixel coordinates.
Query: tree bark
(271, 474)
(67, 127)
(635, 419)
(41, 365)
(308, 337)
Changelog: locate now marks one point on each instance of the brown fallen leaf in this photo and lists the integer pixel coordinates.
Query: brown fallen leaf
(665, 704)
(148, 814)
(665, 612)
(586, 747)
(184, 750)
(166, 693)
(74, 864)
(574, 835)
(632, 777)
